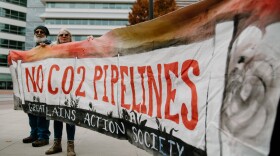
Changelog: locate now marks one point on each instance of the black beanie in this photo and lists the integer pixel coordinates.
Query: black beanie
(45, 29)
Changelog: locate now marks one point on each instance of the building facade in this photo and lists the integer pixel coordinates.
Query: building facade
(18, 18)
(183, 3)
(81, 17)
(12, 35)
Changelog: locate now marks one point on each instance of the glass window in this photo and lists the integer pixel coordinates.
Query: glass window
(4, 42)
(22, 16)
(6, 81)
(3, 60)
(21, 45)
(12, 29)
(52, 22)
(91, 5)
(112, 6)
(59, 5)
(1, 12)
(3, 85)
(78, 22)
(12, 44)
(91, 22)
(12, 14)
(2, 26)
(52, 38)
(105, 6)
(64, 22)
(52, 5)
(71, 22)
(7, 12)
(57, 21)
(17, 2)
(112, 22)
(22, 31)
(71, 5)
(80, 5)
(9, 85)
(98, 22)
(85, 22)
(98, 6)
(105, 22)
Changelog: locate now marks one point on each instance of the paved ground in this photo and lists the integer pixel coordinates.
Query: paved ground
(14, 126)
(6, 95)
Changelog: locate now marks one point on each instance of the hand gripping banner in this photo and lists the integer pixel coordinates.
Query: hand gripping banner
(203, 80)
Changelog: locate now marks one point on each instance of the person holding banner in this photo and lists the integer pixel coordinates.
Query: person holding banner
(39, 134)
(63, 36)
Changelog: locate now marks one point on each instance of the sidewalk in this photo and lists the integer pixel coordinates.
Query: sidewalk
(6, 95)
(14, 127)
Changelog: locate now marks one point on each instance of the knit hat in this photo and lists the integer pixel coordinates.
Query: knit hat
(45, 29)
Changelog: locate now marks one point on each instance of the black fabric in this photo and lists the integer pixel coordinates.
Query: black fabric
(274, 144)
(47, 42)
(45, 29)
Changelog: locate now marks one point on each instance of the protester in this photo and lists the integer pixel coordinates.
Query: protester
(39, 134)
(63, 36)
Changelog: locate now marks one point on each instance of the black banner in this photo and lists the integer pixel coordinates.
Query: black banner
(156, 141)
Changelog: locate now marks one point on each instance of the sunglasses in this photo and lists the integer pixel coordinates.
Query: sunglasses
(39, 32)
(66, 35)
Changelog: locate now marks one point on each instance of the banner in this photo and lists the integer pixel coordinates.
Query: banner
(203, 80)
